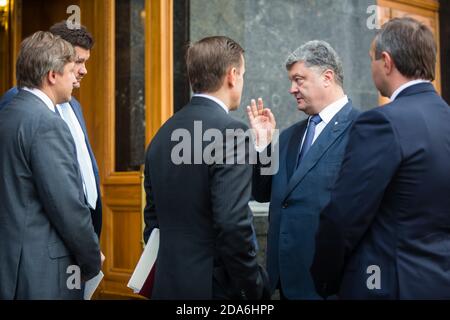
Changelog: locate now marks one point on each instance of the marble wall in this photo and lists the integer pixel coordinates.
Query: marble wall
(271, 29)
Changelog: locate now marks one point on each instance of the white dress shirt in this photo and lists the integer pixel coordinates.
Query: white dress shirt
(326, 115)
(218, 101)
(406, 85)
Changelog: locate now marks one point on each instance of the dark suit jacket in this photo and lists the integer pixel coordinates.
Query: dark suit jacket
(76, 107)
(296, 200)
(206, 249)
(386, 232)
(45, 224)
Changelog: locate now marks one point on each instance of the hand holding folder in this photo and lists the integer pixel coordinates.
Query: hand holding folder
(141, 282)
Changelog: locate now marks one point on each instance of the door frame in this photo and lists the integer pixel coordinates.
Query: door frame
(121, 239)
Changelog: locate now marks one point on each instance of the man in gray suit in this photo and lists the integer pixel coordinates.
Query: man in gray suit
(47, 242)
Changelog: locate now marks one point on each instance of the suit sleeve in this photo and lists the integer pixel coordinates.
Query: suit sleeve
(150, 217)
(230, 187)
(261, 184)
(372, 157)
(58, 182)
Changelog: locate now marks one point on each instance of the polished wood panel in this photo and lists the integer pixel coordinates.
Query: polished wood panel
(5, 44)
(42, 14)
(16, 36)
(122, 191)
(159, 64)
(432, 5)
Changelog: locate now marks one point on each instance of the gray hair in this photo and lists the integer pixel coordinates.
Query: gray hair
(318, 53)
(39, 54)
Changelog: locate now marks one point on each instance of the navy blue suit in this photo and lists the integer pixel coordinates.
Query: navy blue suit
(296, 200)
(76, 107)
(386, 232)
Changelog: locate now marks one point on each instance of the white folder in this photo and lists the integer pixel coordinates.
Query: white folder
(146, 262)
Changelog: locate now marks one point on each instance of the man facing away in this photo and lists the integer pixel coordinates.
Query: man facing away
(310, 154)
(46, 229)
(200, 203)
(386, 232)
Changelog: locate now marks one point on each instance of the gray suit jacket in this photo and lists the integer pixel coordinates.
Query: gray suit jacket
(45, 224)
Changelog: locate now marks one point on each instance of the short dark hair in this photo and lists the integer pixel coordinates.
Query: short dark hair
(411, 45)
(39, 54)
(208, 60)
(77, 37)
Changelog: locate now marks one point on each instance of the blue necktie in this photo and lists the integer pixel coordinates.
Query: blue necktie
(57, 112)
(313, 122)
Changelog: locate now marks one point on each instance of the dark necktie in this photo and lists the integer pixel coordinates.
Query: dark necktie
(57, 112)
(313, 122)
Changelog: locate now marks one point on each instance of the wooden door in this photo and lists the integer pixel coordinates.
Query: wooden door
(122, 191)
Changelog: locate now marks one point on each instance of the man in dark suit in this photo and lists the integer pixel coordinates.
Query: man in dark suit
(386, 232)
(310, 155)
(47, 242)
(83, 42)
(198, 193)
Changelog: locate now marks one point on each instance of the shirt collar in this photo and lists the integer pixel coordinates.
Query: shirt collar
(216, 100)
(41, 95)
(406, 85)
(331, 110)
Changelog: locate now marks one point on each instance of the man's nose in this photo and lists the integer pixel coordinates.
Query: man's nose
(83, 70)
(294, 88)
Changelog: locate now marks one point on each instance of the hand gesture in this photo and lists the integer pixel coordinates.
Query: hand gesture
(262, 122)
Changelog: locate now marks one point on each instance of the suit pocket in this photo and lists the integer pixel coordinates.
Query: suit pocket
(58, 250)
(69, 275)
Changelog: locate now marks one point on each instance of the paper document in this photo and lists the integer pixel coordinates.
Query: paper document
(141, 281)
(92, 285)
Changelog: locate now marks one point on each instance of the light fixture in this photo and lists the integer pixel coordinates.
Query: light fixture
(4, 7)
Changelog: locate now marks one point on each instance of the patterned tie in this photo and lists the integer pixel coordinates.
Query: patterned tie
(313, 122)
(84, 159)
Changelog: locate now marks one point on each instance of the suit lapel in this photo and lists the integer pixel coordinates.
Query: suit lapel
(332, 131)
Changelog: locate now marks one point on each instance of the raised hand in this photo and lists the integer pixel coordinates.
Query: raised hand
(262, 122)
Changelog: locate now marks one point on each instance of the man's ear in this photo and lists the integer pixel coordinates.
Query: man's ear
(231, 76)
(51, 77)
(388, 62)
(328, 77)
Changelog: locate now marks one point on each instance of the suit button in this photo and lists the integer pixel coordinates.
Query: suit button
(285, 205)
